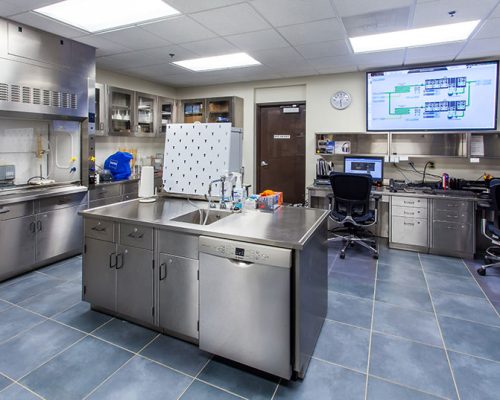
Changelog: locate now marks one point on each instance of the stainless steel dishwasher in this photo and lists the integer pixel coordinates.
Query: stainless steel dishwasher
(245, 304)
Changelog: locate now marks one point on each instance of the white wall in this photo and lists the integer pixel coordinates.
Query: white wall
(321, 117)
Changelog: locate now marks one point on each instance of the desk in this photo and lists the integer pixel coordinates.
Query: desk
(429, 223)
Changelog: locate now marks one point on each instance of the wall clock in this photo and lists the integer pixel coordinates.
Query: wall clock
(340, 100)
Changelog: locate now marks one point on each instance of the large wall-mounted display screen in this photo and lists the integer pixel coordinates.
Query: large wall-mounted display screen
(448, 97)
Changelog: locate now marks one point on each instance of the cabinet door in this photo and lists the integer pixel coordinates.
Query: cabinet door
(121, 111)
(145, 115)
(452, 237)
(99, 273)
(165, 114)
(179, 295)
(134, 277)
(59, 232)
(17, 246)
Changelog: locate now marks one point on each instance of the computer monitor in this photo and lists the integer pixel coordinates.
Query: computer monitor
(365, 165)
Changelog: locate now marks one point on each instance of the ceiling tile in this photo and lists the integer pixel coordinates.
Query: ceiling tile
(490, 29)
(346, 8)
(332, 62)
(324, 49)
(232, 20)
(210, 47)
(19, 6)
(425, 54)
(377, 22)
(104, 47)
(279, 57)
(338, 70)
(481, 48)
(7, 9)
(179, 30)
(47, 24)
(134, 38)
(288, 12)
(261, 40)
(313, 32)
(436, 12)
(192, 6)
(380, 59)
(154, 72)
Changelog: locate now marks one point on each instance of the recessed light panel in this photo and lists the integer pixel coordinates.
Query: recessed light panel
(100, 15)
(236, 60)
(414, 37)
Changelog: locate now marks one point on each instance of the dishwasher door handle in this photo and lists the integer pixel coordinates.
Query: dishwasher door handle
(240, 263)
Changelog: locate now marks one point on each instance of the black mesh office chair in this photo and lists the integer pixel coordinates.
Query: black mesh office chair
(491, 229)
(350, 207)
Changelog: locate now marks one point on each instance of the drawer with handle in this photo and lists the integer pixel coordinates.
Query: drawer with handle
(409, 231)
(16, 210)
(403, 201)
(100, 229)
(412, 212)
(459, 206)
(457, 215)
(57, 202)
(453, 237)
(137, 236)
(104, 191)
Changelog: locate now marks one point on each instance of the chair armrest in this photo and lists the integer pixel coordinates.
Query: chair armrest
(329, 196)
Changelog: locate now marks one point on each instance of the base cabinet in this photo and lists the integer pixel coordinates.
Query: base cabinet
(134, 283)
(178, 295)
(99, 273)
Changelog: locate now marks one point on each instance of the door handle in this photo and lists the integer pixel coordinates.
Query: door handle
(111, 265)
(39, 225)
(163, 271)
(136, 235)
(263, 164)
(119, 260)
(32, 227)
(98, 228)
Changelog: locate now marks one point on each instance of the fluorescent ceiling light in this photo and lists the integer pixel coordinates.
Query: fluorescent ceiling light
(99, 15)
(414, 37)
(227, 61)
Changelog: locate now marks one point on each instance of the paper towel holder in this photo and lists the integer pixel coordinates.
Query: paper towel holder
(146, 185)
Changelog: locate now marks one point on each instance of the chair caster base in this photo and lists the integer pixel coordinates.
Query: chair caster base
(342, 255)
(481, 271)
(375, 256)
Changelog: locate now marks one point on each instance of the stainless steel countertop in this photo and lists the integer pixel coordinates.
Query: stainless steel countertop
(288, 227)
(38, 192)
(416, 194)
(107, 183)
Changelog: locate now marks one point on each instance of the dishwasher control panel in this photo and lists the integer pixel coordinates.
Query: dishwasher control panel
(248, 252)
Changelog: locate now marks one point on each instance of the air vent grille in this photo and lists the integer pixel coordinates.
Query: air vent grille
(4, 92)
(37, 96)
(15, 93)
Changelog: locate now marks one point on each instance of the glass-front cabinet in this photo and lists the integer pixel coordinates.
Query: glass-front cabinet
(194, 111)
(145, 115)
(219, 110)
(165, 114)
(121, 111)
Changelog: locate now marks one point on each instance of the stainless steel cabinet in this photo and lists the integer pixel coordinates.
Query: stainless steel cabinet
(165, 114)
(17, 245)
(409, 227)
(178, 295)
(134, 283)
(121, 111)
(58, 232)
(145, 115)
(99, 273)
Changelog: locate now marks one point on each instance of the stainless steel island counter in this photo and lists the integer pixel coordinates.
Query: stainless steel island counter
(251, 286)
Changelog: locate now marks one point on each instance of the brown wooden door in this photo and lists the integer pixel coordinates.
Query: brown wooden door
(281, 151)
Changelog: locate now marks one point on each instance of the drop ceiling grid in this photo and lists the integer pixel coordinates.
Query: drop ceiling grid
(290, 37)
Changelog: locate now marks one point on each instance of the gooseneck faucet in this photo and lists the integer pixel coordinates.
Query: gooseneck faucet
(211, 204)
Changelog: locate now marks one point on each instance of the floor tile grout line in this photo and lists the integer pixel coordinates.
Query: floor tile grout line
(459, 294)
(442, 336)
(194, 379)
(484, 292)
(349, 295)
(221, 388)
(276, 389)
(371, 331)
(409, 387)
(118, 369)
(346, 324)
(347, 275)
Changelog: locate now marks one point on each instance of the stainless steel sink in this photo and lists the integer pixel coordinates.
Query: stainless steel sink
(198, 217)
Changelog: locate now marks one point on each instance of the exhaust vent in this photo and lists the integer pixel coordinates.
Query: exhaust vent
(15, 93)
(38, 96)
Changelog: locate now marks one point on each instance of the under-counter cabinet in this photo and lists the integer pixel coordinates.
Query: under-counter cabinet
(118, 269)
(409, 223)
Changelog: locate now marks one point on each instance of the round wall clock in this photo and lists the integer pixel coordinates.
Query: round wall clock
(340, 100)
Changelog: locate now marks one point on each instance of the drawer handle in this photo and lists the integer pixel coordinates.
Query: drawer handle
(408, 202)
(111, 256)
(98, 228)
(408, 213)
(39, 225)
(4, 211)
(63, 201)
(163, 271)
(409, 223)
(32, 227)
(136, 235)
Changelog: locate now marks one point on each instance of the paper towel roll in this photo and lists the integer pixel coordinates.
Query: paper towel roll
(147, 183)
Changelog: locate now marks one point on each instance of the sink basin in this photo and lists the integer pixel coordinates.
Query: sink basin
(198, 217)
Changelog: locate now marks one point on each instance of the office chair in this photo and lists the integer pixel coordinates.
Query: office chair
(350, 207)
(491, 229)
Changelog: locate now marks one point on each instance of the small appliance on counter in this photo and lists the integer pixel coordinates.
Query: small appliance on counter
(7, 175)
(147, 185)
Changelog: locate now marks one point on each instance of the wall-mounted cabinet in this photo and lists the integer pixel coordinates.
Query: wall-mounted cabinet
(123, 112)
(485, 145)
(429, 144)
(221, 109)
(330, 144)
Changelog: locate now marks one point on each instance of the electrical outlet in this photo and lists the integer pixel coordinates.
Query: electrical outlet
(431, 165)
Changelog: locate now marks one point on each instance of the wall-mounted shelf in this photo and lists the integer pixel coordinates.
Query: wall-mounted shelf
(408, 144)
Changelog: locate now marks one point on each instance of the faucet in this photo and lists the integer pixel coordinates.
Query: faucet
(211, 204)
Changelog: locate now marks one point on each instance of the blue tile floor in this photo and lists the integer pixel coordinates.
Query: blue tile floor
(407, 327)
